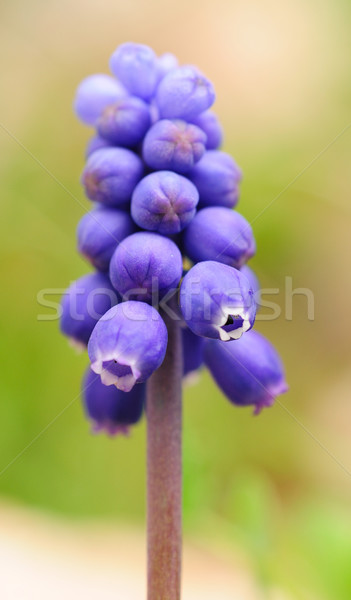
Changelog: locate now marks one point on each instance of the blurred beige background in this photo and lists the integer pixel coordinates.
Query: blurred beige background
(266, 500)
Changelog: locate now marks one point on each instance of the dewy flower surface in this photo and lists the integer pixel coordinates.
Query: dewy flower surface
(164, 193)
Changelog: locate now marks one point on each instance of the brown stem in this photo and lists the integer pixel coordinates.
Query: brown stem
(164, 471)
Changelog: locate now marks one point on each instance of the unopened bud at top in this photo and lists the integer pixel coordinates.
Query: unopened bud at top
(184, 93)
(94, 94)
(136, 67)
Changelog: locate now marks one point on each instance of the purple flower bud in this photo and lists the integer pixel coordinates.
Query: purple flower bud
(94, 94)
(166, 63)
(111, 175)
(210, 124)
(216, 301)
(125, 122)
(164, 201)
(128, 344)
(136, 66)
(248, 371)
(184, 93)
(173, 145)
(253, 280)
(219, 233)
(254, 283)
(146, 264)
(111, 410)
(96, 143)
(99, 233)
(217, 178)
(193, 346)
(83, 304)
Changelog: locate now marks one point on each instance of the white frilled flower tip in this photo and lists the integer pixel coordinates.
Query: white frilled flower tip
(236, 321)
(116, 370)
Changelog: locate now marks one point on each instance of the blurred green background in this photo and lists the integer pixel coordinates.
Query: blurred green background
(277, 486)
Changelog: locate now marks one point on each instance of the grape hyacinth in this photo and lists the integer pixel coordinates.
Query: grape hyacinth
(171, 291)
(127, 344)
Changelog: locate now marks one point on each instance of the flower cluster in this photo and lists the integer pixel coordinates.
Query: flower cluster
(162, 226)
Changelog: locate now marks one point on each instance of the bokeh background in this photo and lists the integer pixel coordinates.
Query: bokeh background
(272, 492)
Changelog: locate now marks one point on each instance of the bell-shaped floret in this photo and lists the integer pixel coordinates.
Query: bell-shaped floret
(128, 344)
(217, 301)
(248, 371)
